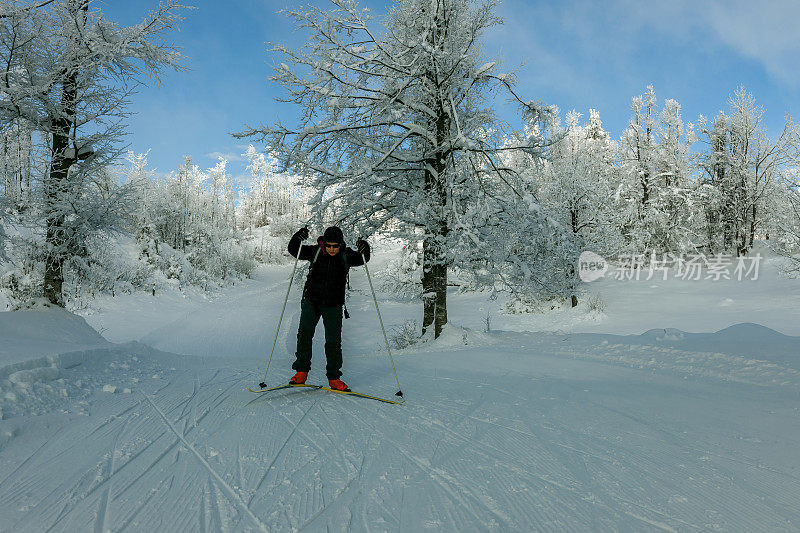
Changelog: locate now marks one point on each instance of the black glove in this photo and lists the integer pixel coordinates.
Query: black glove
(302, 233)
(362, 246)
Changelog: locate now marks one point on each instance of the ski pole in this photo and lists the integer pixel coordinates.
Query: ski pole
(263, 383)
(374, 299)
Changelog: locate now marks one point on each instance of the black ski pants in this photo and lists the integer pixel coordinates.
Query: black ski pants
(332, 320)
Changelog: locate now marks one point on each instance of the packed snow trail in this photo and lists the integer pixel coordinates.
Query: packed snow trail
(240, 320)
(510, 432)
(501, 431)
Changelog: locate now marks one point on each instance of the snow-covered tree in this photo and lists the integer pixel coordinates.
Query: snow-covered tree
(68, 72)
(221, 199)
(786, 219)
(742, 173)
(567, 209)
(639, 149)
(654, 195)
(183, 223)
(396, 127)
(579, 180)
(273, 195)
(673, 210)
(17, 161)
(637, 158)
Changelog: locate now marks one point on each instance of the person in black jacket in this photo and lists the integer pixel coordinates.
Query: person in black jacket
(323, 295)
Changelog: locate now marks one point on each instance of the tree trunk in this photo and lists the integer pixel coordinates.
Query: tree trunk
(6, 179)
(645, 179)
(434, 287)
(54, 194)
(27, 167)
(440, 281)
(428, 291)
(434, 262)
(57, 185)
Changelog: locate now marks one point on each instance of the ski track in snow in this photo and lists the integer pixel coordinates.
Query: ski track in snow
(233, 494)
(510, 438)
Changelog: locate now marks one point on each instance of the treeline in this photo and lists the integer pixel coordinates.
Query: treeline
(134, 230)
(663, 187)
(395, 137)
(669, 187)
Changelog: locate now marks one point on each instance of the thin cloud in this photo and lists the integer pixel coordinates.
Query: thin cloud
(229, 156)
(764, 31)
(613, 31)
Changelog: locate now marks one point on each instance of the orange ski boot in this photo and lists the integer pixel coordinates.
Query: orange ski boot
(299, 378)
(338, 384)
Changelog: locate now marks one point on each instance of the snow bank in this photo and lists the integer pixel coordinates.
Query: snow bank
(43, 330)
(42, 385)
(746, 340)
(46, 373)
(745, 353)
(38, 343)
(36, 386)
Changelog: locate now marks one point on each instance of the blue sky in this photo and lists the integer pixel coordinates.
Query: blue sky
(576, 54)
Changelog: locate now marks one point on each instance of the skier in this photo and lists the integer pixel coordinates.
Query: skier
(323, 295)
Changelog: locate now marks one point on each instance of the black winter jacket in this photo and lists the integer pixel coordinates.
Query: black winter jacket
(326, 279)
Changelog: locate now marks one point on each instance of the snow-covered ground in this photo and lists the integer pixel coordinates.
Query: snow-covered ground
(678, 408)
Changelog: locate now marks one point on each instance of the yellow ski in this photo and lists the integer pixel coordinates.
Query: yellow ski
(320, 387)
(361, 394)
(285, 386)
